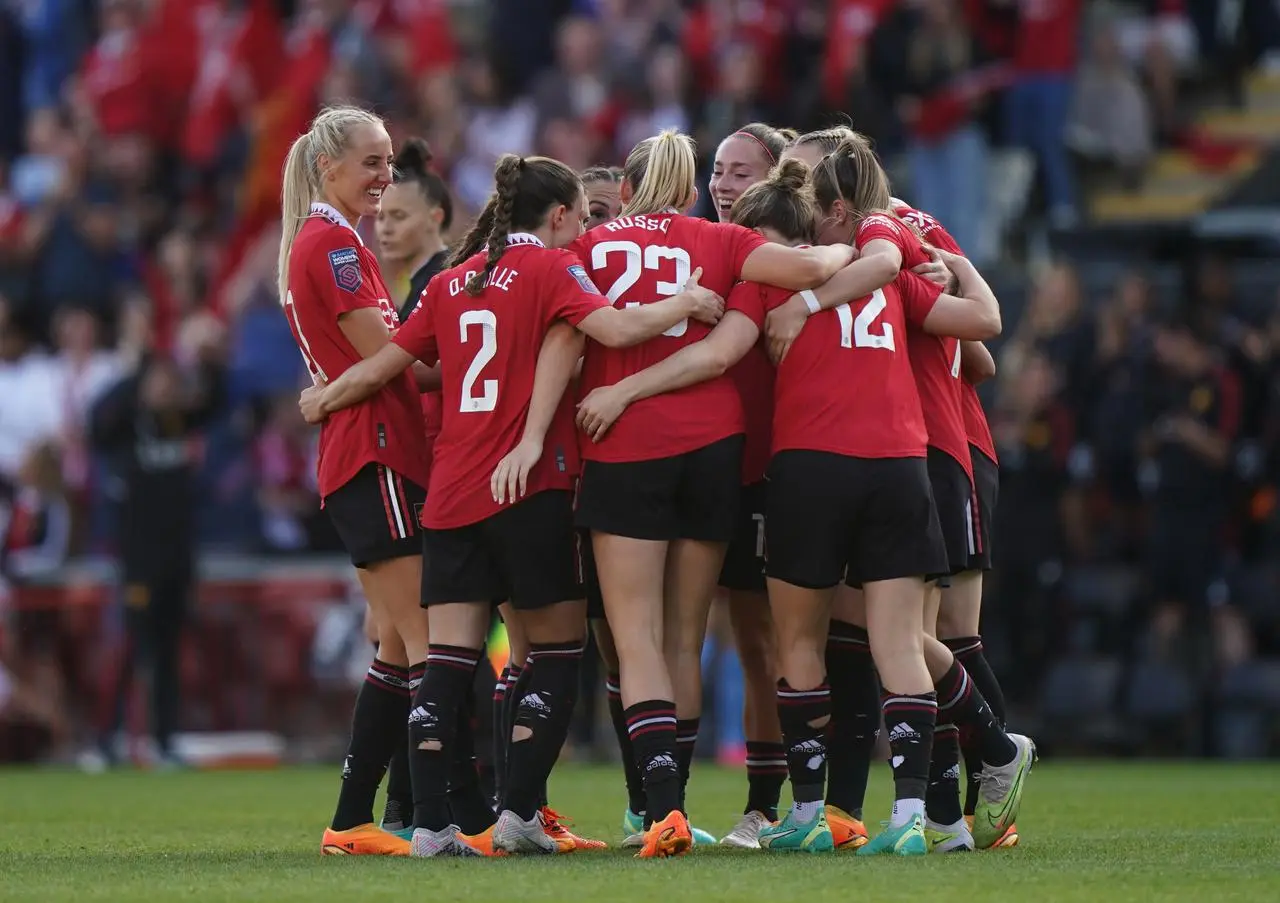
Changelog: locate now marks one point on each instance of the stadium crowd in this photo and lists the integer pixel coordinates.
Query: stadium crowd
(141, 143)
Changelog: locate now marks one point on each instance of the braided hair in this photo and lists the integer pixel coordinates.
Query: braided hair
(525, 190)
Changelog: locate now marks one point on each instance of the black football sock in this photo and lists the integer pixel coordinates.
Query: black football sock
(804, 715)
(910, 720)
(960, 702)
(380, 704)
(942, 800)
(398, 811)
(543, 715)
(968, 651)
(618, 717)
(686, 742)
(855, 716)
(766, 773)
(468, 805)
(501, 734)
(433, 724)
(482, 721)
(652, 726)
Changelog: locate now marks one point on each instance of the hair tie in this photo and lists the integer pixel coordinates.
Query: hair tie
(764, 147)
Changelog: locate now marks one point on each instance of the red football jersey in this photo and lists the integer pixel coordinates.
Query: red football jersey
(639, 260)
(753, 376)
(846, 384)
(935, 360)
(488, 351)
(331, 272)
(975, 418)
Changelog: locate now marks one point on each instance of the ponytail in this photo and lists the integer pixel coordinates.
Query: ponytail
(295, 205)
(662, 172)
(506, 177)
(476, 236)
(328, 136)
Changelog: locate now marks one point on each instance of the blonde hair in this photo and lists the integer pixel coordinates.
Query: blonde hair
(662, 172)
(300, 182)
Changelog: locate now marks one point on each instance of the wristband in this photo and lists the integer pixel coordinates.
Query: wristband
(810, 301)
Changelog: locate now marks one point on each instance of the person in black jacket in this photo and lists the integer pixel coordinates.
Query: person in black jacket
(149, 426)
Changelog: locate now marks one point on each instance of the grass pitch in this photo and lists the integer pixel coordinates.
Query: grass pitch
(1140, 832)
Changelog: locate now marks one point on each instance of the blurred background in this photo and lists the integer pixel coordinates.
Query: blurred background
(1114, 167)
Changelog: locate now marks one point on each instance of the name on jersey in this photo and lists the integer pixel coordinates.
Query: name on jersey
(647, 223)
(500, 278)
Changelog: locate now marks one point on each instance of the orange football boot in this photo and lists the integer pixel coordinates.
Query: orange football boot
(481, 843)
(847, 832)
(554, 824)
(1008, 840)
(669, 837)
(362, 840)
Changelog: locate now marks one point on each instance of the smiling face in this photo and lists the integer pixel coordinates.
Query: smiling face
(353, 183)
(740, 163)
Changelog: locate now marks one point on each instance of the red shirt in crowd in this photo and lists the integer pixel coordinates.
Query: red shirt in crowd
(1047, 37)
(332, 273)
(935, 360)
(975, 418)
(639, 260)
(488, 351)
(753, 376)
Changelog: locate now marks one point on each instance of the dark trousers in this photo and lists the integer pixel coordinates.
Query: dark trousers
(155, 611)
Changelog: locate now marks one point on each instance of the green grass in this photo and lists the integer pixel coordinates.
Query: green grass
(1137, 832)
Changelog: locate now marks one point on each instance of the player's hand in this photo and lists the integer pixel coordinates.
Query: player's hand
(708, 307)
(510, 478)
(935, 270)
(782, 325)
(600, 410)
(309, 403)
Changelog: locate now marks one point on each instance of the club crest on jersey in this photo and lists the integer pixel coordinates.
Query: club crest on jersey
(579, 273)
(345, 265)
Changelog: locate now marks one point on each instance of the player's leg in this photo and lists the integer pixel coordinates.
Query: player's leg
(707, 501)
(504, 713)
(754, 638)
(630, 509)
(385, 548)
(459, 566)
(855, 716)
(807, 531)
(898, 541)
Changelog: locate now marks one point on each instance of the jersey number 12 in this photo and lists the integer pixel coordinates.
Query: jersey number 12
(855, 332)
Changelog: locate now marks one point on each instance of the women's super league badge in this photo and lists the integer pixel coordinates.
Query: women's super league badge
(345, 264)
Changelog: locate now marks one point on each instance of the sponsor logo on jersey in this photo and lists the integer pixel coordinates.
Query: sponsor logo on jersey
(345, 265)
(579, 273)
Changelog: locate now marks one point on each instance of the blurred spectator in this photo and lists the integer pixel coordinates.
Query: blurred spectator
(939, 100)
(498, 125)
(284, 472)
(149, 424)
(576, 87)
(662, 103)
(39, 175)
(1110, 119)
(29, 402)
(1039, 101)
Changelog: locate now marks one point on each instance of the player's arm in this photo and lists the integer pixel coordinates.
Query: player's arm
(976, 363)
(723, 347)
(632, 325)
(878, 264)
(356, 384)
(795, 268)
(975, 315)
(557, 362)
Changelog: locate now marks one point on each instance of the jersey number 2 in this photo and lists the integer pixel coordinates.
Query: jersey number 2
(855, 332)
(487, 400)
(650, 259)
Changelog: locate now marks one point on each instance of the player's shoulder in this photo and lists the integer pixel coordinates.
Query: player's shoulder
(556, 262)
(879, 222)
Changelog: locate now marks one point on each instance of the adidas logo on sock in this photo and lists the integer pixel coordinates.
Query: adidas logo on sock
(952, 773)
(421, 716)
(903, 731)
(662, 760)
(534, 701)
